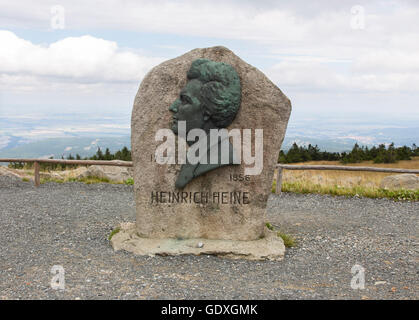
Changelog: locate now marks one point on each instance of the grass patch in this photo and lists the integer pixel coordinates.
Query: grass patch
(45, 180)
(289, 241)
(269, 226)
(86, 180)
(361, 191)
(114, 232)
(347, 183)
(93, 180)
(129, 181)
(273, 189)
(26, 179)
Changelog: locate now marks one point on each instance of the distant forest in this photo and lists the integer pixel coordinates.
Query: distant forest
(123, 154)
(380, 154)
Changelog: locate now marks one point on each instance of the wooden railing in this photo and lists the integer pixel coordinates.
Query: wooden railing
(280, 167)
(36, 162)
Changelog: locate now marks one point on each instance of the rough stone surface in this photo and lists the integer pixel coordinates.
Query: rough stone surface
(73, 173)
(401, 181)
(58, 175)
(263, 106)
(113, 173)
(52, 175)
(270, 247)
(9, 173)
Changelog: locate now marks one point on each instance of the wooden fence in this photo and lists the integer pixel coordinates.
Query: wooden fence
(280, 167)
(36, 163)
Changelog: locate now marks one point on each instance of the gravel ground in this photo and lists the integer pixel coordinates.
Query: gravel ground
(67, 224)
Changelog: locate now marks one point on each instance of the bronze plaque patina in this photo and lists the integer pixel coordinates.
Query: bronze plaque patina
(210, 100)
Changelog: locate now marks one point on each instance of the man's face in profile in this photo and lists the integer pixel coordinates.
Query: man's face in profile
(188, 107)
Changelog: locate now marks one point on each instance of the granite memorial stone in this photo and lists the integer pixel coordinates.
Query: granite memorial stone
(218, 202)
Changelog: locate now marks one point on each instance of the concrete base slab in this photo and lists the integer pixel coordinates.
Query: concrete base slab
(270, 247)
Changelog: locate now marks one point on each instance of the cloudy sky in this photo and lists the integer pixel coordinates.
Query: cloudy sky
(329, 57)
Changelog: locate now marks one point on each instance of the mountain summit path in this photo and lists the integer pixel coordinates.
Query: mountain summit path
(68, 225)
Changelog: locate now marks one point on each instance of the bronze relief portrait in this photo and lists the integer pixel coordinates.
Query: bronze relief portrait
(210, 100)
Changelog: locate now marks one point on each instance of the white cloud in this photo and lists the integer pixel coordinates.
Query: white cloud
(4, 141)
(385, 61)
(312, 42)
(383, 54)
(310, 74)
(295, 24)
(84, 59)
(364, 77)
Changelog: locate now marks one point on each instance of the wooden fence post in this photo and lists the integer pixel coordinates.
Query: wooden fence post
(36, 175)
(278, 181)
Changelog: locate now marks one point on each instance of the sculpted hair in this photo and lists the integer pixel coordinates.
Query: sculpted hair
(220, 92)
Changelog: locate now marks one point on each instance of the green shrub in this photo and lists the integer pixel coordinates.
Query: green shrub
(129, 181)
(289, 241)
(357, 191)
(114, 232)
(269, 226)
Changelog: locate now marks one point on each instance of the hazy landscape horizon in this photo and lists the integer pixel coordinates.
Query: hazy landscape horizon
(60, 134)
